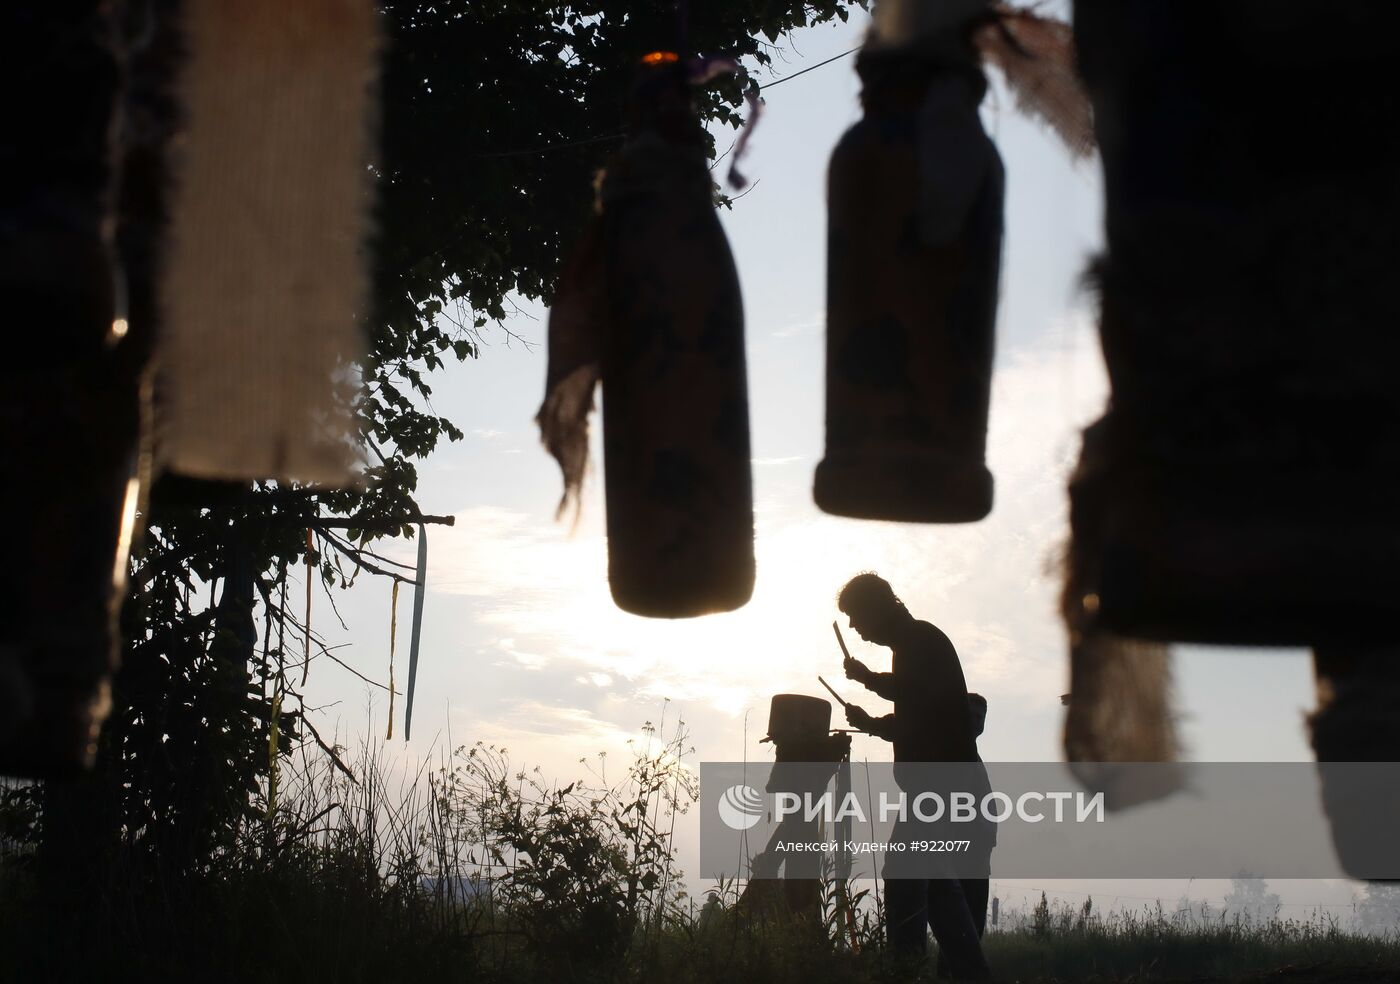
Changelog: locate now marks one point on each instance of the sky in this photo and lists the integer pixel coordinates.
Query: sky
(523, 647)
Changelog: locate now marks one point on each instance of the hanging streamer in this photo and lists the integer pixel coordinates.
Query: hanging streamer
(306, 638)
(393, 634)
(420, 589)
(274, 763)
(705, 69)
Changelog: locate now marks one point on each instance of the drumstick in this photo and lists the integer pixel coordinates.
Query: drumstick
(837, 629)
(832, 692)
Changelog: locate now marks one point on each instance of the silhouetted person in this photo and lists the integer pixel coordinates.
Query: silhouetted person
(932, 722)
(710, 910)
(806, 757)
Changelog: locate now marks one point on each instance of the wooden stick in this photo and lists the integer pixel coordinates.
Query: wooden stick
(837, 629)
(832, 692)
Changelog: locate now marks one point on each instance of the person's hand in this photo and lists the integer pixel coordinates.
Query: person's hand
(855, 669)
(857, 718)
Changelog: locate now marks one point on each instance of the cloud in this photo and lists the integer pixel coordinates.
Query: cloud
(811, 326)
(513, 557)
(534, 732)
(524, 660)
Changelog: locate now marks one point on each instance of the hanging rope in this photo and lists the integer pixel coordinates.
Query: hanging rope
(306, 639)
(393, 633)
(274, 761)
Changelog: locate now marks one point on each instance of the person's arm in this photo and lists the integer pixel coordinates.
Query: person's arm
(880, 727)
(883, 727)
(881, 684)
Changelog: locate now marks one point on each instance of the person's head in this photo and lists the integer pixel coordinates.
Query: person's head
(874, 611)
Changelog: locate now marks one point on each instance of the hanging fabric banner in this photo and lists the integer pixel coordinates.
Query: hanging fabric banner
(264, 291)
(393, 636)
(420, 590)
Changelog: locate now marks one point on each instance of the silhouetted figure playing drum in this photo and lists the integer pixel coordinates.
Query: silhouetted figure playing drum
(932, 722)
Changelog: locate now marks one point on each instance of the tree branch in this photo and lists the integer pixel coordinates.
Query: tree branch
(334, 758)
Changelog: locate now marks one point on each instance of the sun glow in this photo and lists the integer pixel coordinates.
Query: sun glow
(540, 594)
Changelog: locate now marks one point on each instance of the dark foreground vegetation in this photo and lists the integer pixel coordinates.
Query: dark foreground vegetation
(473, 870)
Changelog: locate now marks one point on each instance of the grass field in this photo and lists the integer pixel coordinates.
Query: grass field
(482, 872)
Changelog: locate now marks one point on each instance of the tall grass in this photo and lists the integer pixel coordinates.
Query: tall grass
(1057, 941)
(473, 869)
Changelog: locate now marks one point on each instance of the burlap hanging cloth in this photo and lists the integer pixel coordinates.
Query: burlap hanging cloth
(265, 285)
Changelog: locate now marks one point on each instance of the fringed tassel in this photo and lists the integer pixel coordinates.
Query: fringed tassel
(1120, 699)
(576, 325)
(1120, 711)
(1036, 57)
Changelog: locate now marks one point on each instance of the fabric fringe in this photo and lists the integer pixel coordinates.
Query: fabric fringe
(1036, 56)
(1120, 706)
(576, 325)
(1120, 711)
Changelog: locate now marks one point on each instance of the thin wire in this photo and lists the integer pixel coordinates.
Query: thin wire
(619, 134)
(615, 135)
(788, 78)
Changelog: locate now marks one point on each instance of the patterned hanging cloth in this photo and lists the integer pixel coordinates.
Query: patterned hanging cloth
(649, 306)
(915, 202)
